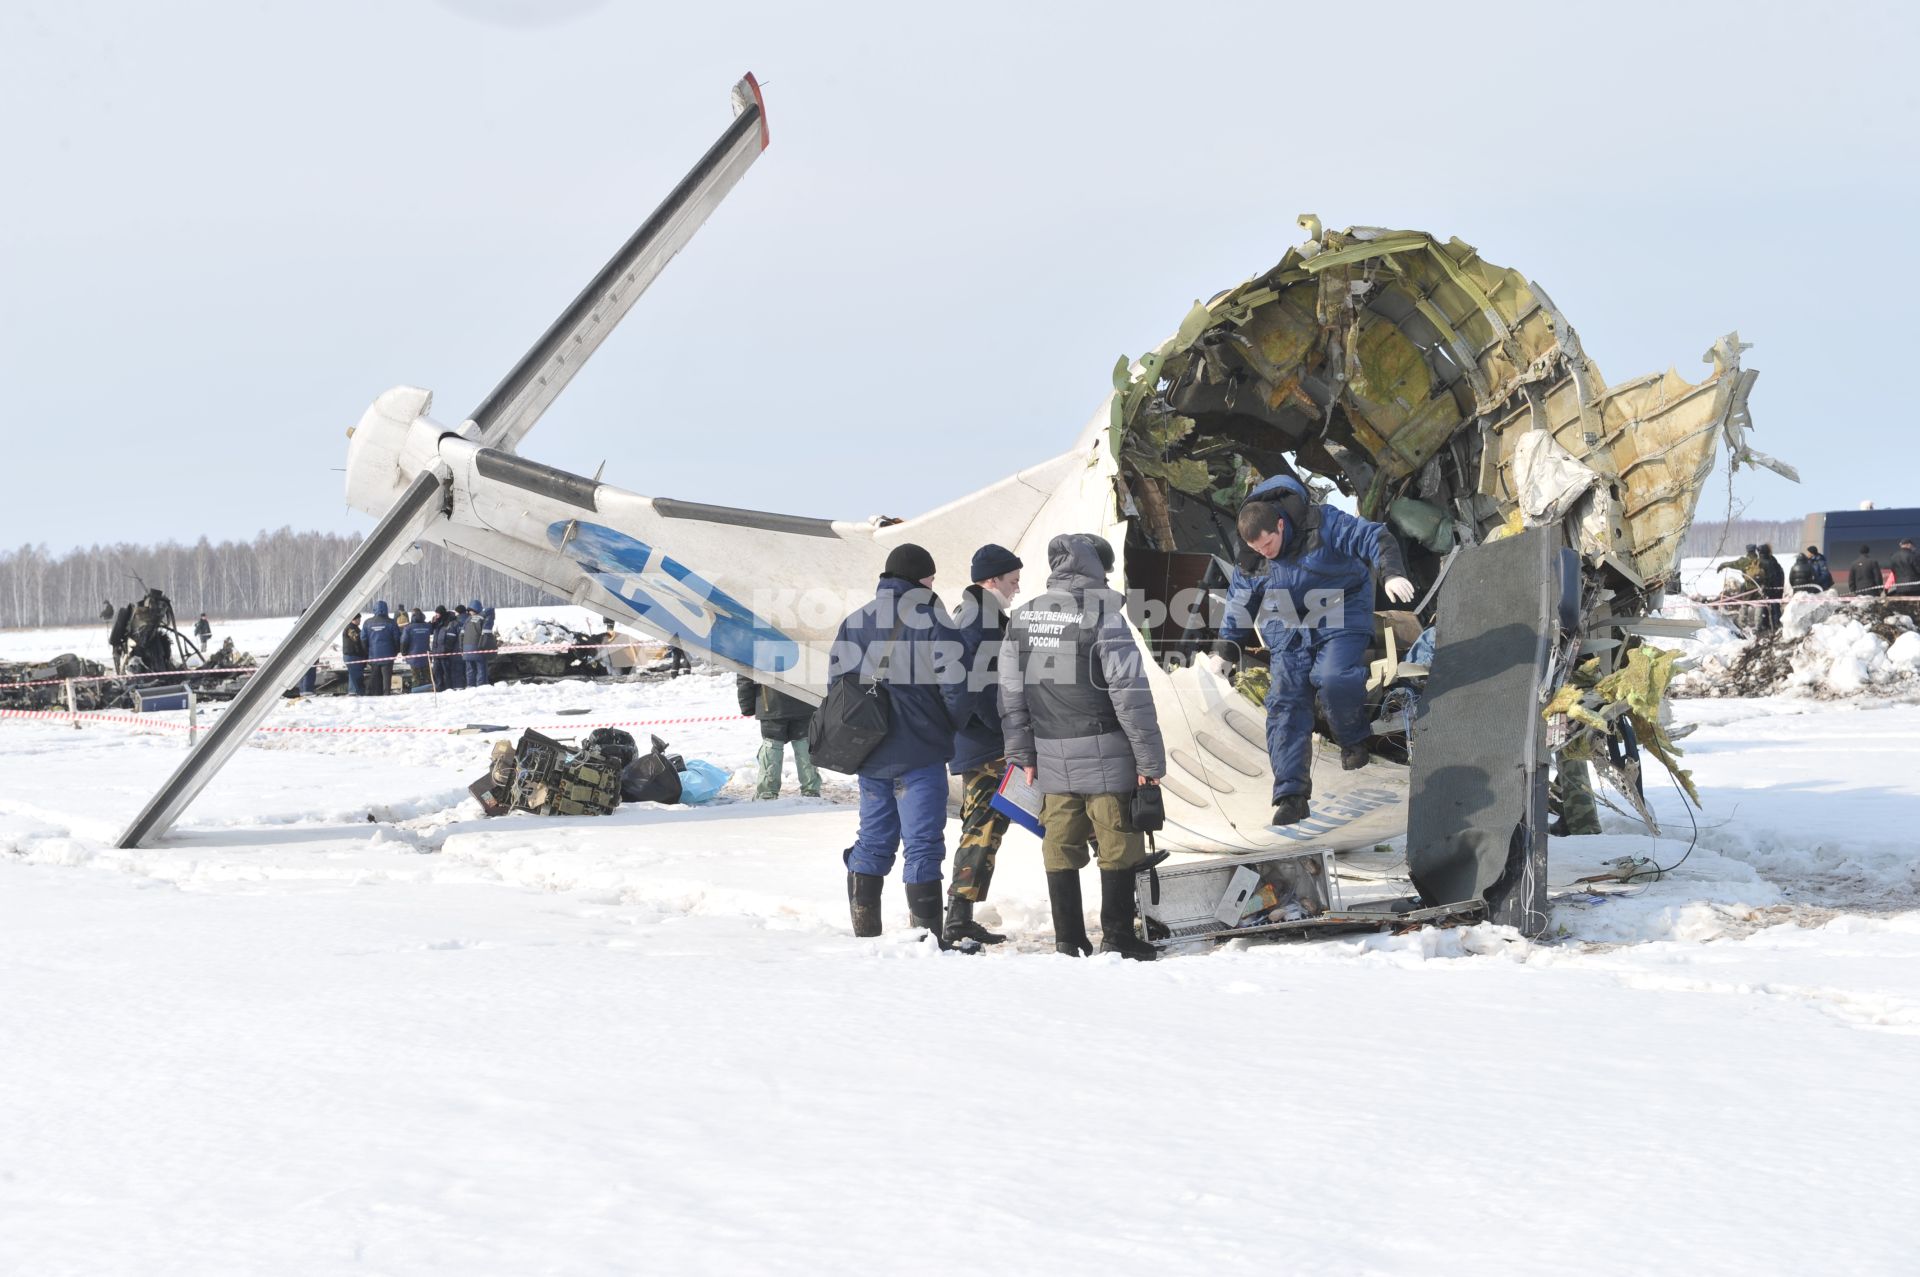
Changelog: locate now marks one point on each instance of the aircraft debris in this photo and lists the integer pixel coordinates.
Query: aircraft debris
(1437, 392)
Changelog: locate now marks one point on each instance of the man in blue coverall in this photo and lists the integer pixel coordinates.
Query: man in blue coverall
(1306, 588)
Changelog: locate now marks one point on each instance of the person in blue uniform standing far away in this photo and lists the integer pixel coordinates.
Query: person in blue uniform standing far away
(1305, 587)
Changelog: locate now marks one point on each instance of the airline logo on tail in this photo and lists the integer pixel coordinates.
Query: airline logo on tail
(673, 597)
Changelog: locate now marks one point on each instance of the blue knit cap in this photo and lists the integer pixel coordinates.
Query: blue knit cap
(992, 560)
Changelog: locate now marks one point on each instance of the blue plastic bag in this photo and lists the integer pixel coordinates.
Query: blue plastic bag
(1421, 653)
(701, 780)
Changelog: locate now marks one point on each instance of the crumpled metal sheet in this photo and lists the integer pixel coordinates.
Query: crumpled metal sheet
(1548, 477)
(1367, 354)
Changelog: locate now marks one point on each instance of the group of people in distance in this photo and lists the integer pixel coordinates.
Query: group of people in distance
(1764, 583)
(442, 652)
(1867, 577)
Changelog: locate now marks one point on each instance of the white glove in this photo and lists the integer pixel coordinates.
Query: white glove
(1218, 664)
(1399, 589)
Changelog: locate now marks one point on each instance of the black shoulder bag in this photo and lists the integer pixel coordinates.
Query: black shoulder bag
(1147, 814)
(854, 718)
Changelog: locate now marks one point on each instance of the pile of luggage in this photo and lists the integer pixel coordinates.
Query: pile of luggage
(549, 778)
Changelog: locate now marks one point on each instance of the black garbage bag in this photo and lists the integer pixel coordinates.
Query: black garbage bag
(653, 777)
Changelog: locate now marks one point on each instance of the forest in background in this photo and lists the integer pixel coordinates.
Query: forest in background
(1731, 539)
(279, 573)
(275, 574)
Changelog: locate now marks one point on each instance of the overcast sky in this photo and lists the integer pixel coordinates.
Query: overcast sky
(230, 226)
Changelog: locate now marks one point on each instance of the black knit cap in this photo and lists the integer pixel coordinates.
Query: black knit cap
(992, 560)
(909, 562)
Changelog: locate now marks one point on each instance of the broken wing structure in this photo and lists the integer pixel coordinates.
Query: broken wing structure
(422, 498)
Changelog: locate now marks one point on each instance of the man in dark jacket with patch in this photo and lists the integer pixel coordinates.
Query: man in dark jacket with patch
(449, 672)
(1905, 565)
(979, 749)
(905, 639)
(473, 647)
(382, 637)
(1864, 576)
(783, 722)
(416, 641)
(1305, 587)
(353, 653)
(1079, 720)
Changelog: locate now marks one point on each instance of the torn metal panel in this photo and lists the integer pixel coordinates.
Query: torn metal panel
(1395, 365)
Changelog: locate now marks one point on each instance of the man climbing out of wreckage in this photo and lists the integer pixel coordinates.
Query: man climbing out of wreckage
(1304, 585)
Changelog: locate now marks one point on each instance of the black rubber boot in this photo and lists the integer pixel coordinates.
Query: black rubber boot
(1290, 810)
(1117, 934)
(923, 906)
(961, 926)
(1069, 914)
(1354, 757)
(863, 897)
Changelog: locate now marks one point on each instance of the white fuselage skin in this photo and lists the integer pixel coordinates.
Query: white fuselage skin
(765, 595)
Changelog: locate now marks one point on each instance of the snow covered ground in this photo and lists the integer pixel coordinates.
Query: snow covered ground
(339, 1022)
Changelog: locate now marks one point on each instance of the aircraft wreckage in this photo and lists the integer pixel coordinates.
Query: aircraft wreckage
(1542, 512)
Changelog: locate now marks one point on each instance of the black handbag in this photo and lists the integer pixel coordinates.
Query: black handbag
(1147, 814)
(1146, 810)
(853, 720)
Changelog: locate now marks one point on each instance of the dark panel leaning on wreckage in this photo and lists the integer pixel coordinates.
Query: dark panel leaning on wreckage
(1449, 398)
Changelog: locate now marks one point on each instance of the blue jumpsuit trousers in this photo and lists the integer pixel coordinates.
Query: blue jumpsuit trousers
(1333, 664)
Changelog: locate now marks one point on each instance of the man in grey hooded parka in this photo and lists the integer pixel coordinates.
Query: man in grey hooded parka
(1079, 719)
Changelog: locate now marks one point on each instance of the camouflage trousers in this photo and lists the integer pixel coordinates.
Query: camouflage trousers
(771, 755)
(1570, 797)
(981, 828)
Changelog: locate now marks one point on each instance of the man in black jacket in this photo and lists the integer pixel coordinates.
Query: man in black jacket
(1905, 565)
(1773, 583)
(783, 722)
(1864, 576)
(979, 746)
(1802, 577)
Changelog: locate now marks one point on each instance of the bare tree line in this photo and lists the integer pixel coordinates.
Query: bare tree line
(279, 573)
(1731, 538)
(275, 574)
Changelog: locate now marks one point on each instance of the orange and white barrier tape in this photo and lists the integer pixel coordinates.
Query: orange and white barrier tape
(549, 648)
(149, 720)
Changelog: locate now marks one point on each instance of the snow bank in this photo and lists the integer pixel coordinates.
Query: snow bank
(1827, 646)
(1713, 650)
